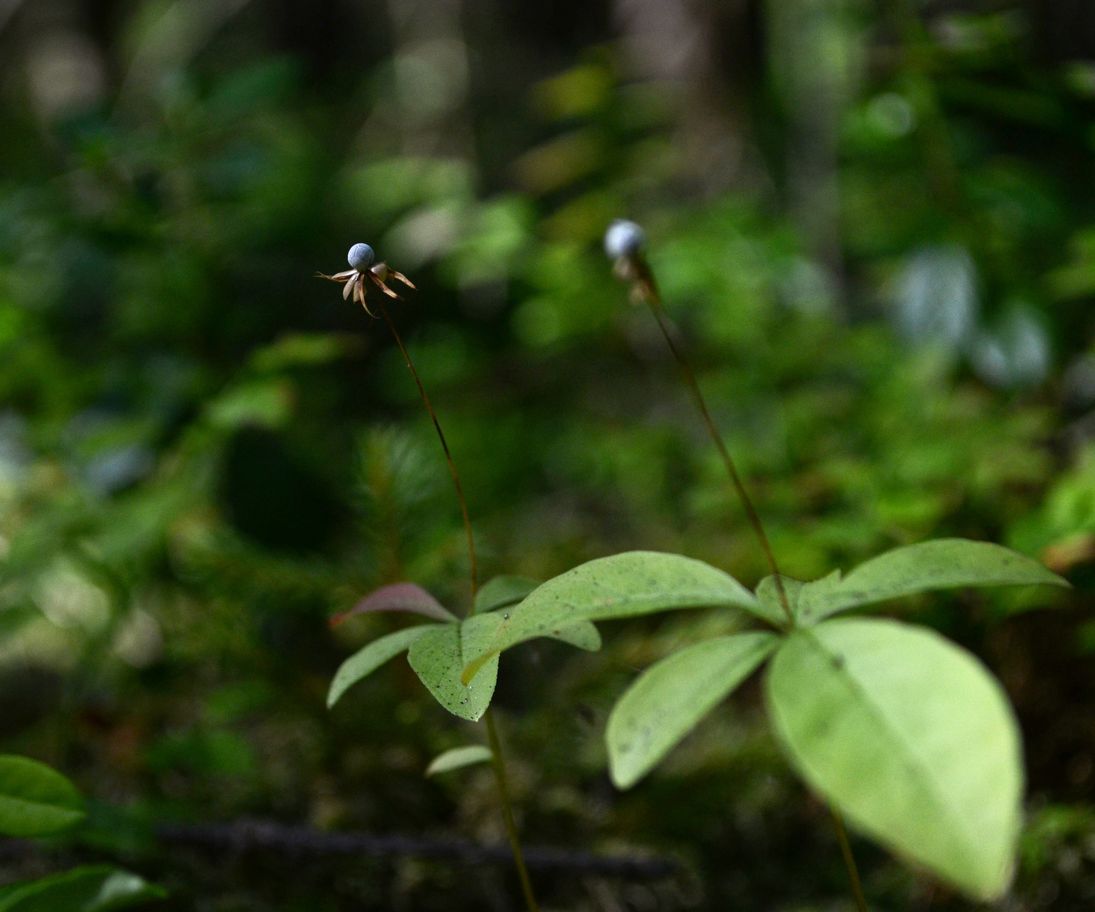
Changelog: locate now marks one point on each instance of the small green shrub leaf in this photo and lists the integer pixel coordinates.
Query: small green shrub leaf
(503, 591)
(457, 758)
(369, 658)
(97, 888)
(946, 563)
(633, 583)
(36, 800)
(910, 738)
(670, 698)
(437, 659)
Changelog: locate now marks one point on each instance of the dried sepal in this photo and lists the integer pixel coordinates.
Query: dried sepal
(379, 283)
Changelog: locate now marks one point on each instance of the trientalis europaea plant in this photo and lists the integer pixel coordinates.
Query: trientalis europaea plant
(902, 732)
(434, 649)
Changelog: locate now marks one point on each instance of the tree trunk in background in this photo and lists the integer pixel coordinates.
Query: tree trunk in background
(676, 43)
(65, 69)
(430, 73)
(813, 66)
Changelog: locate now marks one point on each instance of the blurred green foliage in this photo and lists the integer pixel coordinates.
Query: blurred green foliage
(205, 453)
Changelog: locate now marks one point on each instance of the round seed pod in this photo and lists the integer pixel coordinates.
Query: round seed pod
(361, 257)
(624, 239)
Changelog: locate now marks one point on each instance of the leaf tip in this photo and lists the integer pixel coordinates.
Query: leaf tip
(622, 778)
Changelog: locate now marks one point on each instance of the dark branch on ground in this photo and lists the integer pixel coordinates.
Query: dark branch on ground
(256, 836)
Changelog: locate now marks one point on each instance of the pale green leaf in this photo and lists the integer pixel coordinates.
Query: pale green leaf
(583, 635)
(670, 698)
(634, 583)
(457, 758)
(479, 631)
(369, 658)
(770, 602)
(35, 800)
(946, 563)
(97, 888)
(911, 738)
(437, 659)
(502, 591)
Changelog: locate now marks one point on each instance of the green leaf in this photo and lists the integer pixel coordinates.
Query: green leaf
(583, 635)
(670, 698)
(98, 888)
(633, 583)
(770, 602)
(479, 635)
(458, 757)
(36, 800)
(437, 659)
(910, 738)
(502, 591)
(946, 563)
(369, 658)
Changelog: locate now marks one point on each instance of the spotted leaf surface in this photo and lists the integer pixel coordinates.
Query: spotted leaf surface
(624, 585)
(437, 659)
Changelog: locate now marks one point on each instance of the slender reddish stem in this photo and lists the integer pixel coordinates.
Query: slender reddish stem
(648, 288)
(453, 473)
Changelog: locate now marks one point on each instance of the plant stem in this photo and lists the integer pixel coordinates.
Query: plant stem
(474, 570)
(648, 288)
(849, 859)
(498, 762)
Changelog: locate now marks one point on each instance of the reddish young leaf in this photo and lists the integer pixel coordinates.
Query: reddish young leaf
(398, 597)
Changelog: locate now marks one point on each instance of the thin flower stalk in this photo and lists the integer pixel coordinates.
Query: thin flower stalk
(849, 859)
(624, 242)
(449, 461)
